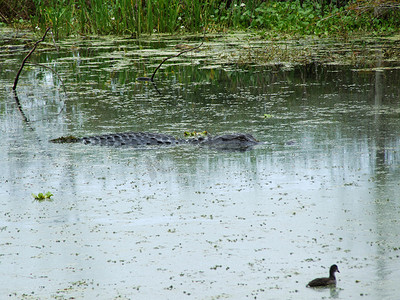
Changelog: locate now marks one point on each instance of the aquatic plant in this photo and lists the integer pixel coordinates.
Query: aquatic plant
(41, 197)
(311, 17)
(195, 133)
(132, 17)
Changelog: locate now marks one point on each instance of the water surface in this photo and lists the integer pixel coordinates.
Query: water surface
(193, 222)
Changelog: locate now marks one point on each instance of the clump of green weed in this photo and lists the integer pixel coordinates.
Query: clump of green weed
(42, 197)
(195, 133)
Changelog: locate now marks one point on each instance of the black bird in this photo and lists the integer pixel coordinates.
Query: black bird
(326, 281)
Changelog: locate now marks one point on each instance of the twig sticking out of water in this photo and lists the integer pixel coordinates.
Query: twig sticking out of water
(26, 58)
(22, 66)
(165, 59)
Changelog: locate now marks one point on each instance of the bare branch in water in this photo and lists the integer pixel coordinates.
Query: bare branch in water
(26, 58)
(172, 56)
(22, 66)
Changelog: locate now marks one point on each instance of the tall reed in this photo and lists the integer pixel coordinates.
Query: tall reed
(135, 17)
(129, 16)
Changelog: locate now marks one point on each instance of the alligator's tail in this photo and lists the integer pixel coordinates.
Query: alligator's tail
(67, 139)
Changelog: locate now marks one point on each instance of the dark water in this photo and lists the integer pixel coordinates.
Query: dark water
(186, 221)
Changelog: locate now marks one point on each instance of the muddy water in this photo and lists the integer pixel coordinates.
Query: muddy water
(192, 222)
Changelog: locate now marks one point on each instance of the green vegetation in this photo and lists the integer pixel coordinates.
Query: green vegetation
(134, 17)
(41, 197)
(195, 133)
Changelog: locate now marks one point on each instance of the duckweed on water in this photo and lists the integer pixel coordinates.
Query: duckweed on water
(268, 116)
(357, 51)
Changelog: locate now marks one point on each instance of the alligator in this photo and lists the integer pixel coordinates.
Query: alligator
(234, 141)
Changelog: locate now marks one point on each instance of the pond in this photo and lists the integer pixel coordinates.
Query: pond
(193, 222)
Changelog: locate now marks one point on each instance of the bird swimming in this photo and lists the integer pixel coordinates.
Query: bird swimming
(325, 281)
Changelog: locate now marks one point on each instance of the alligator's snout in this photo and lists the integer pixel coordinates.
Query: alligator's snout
(240, 141)
(242, 137)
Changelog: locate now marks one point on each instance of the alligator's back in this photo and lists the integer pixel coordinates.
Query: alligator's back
(123, 139)
(131, 139)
